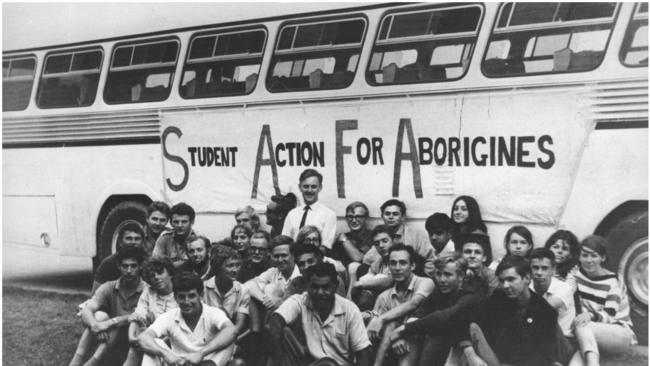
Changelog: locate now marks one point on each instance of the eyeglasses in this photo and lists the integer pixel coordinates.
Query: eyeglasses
(355, 217)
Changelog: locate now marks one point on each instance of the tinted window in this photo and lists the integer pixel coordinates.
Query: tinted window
(634, 49)
(17, 82)
(70, 79)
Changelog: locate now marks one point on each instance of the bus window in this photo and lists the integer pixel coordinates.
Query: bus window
(534, 38)
(423, 46)
(69, 79)
(222, 64)
(17, 82)
(634, 50)
(316, 55)
(141, 72)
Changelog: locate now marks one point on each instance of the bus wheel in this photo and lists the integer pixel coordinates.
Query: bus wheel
(629, 257)
(120, 215)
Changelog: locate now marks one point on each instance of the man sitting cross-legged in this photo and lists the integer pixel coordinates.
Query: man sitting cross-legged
(441, 317)
(394, 305)
(332, 325)
(116, 300)
(199, 334)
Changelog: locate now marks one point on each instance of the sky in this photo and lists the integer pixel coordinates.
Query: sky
(31, 24)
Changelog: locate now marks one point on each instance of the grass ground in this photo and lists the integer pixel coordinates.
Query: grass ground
(40, 328)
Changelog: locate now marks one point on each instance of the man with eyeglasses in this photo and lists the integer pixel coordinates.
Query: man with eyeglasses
(106, 314)
(258, 259)
(353, 245)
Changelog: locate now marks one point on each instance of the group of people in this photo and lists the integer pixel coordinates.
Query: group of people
(303, 294)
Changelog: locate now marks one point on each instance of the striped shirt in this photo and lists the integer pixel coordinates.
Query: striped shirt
(605, 297)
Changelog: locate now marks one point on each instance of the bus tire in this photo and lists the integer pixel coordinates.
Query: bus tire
(628, 255)
(120, 215)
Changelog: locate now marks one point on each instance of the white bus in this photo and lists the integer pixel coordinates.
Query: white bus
(538, 110)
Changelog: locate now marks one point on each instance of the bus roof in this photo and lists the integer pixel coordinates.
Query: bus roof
(37, 25)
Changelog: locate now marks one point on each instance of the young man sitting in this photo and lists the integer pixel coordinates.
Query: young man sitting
(106, 314)
(514, 325)
(154, 301)
(199, 258)
(307, 255)
(130, 235)
(477, 251)
(441, 317)
(199, 334)
(333, 327)
(394, 305)
(440, 227)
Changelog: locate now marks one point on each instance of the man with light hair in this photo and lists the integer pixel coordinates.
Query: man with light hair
(247, 216)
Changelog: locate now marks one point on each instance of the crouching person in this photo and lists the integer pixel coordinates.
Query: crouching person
(199, 334)
(106, 330)
(333, 327)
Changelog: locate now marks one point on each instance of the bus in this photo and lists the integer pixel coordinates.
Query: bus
(538, 110)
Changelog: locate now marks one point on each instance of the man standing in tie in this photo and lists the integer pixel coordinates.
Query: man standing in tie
(311, 212)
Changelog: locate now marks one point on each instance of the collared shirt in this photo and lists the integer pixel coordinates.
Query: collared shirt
(416, 239)
(151, 305)
(234, 301)
(183, 340)
(449, 248)
(390, 298)
(115, 300)
(273, 283)
(169, 246)
(567, 312)
(339, 336)
(320, 216)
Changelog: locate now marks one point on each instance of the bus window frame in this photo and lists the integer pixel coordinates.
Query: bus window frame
(542, 27)
(72, 52)
(440, 40)
(223, 31)
(141, 42)
(631, 21)
(315, 49)
(20, 78)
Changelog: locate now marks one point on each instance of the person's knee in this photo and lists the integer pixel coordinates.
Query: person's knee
(101, 316)
(237, 362)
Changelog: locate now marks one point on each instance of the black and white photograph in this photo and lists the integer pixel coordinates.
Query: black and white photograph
(325, 183)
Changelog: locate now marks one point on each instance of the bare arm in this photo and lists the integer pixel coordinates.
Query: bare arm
(375, 282)
(353, 253)
(147, 341)
(240, 323)
(376, 324)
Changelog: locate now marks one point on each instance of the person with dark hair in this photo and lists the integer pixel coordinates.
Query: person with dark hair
(247, 216)
(199, 334)
(351, 246)
(241, 239)
(258, 259)
(332, 325)
(308, 255)
(154, 301)
(378, 278)
(173, 244)
(440, 229)
(395, 304)
(477, 251)
(309, 234)
(106, 314)
(467, 215)
(129, 235)
(312, 212)
(198, 253)
(515, 325)
(393, 212)
(566, 248)
(277, 211)
(517, 241)
(441, 317)
(158, 214)
(604, 305)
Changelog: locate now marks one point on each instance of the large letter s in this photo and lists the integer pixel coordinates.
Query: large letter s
(174, 158)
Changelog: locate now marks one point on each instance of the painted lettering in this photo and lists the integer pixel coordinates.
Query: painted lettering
(265, 137)
(411, 155)
(342, 125)
(177, 159)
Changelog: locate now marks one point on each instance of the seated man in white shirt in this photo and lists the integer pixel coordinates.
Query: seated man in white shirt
(199, 334)
(311, 212)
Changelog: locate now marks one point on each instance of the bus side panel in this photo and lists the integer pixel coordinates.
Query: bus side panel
(111, 165)
(613, 170)
(30, 180)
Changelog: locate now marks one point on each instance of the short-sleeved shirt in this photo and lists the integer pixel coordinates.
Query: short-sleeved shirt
(235, 301)
(151, 305)
(319, 216)
(250, 269)
(183, 340)
(339, 336)
(567, 312)
(114, 300)
(273, 283)
(390, 298)
(169, 246)
(378, 269)
(416, 239)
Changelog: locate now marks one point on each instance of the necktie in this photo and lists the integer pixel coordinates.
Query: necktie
(304, 217)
